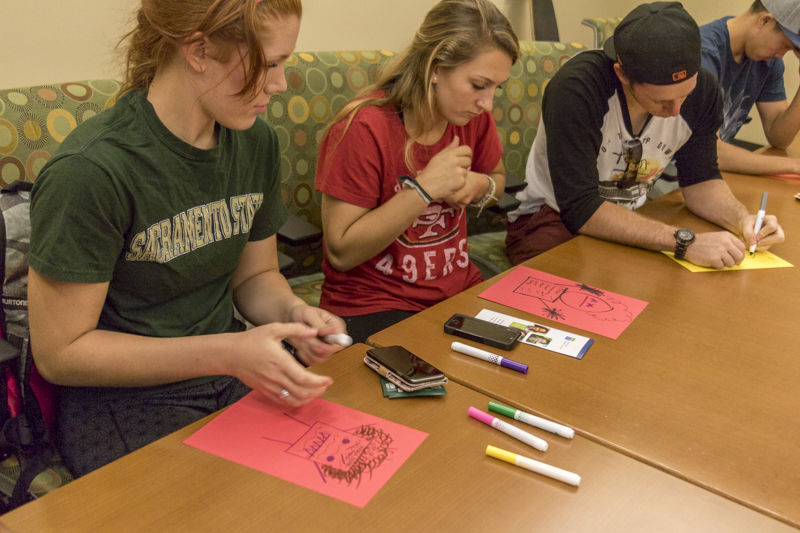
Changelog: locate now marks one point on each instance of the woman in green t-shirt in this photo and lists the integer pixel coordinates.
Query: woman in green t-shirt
(158, 216)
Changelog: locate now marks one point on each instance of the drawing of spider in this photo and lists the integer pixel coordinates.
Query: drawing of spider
(553, 313)
(587, 288)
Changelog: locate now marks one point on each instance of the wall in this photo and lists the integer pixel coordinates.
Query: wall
(46, 41)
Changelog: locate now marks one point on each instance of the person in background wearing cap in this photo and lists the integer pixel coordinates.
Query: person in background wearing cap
(744, 53)
(612, 120)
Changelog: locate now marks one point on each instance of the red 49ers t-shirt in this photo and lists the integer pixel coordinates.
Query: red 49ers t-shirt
(428, 262)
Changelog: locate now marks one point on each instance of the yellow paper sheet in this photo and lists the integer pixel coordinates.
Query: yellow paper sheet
(761, 259)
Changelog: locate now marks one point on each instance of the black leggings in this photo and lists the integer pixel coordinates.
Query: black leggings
(360, 327)
(97, 425)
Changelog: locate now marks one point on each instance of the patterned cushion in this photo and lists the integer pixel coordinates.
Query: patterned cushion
(602, 28)
(319, 84)
(308, 287)
(34, 121)
(488, 252)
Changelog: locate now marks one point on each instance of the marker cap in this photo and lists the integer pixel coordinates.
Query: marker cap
(513, 365)
(499, 453)
(502, 409)
(339, 338)
(477, 414)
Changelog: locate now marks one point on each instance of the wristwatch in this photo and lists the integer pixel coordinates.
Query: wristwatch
(683, 238)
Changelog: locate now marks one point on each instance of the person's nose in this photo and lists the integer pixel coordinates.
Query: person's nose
(673, 107)
(486, 102)
(275, 81)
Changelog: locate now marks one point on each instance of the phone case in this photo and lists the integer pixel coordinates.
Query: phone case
(398, 380)
(506, 339)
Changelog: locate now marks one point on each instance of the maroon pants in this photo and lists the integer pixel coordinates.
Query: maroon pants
(530, 235)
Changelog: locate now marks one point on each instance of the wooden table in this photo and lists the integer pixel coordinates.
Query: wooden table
(704, 384)
(448, 484)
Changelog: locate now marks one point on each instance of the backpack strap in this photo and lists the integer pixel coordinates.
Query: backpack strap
(3, 235)
(19, 185)
(6, 447)
(27, 434)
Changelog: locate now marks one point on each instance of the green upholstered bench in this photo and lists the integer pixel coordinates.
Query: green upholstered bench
(34, 120)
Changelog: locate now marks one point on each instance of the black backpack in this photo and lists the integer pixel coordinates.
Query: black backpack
(26, 447)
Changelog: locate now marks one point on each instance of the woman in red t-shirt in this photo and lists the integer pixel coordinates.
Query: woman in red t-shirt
(401, 162)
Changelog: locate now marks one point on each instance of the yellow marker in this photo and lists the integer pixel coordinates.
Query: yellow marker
(570, 478)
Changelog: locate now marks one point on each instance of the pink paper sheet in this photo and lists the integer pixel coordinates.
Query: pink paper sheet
(794, 178)
(323, 446)
(565, 301)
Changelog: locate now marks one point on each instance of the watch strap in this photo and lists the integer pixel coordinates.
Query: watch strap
(408, 181)
(680, 249)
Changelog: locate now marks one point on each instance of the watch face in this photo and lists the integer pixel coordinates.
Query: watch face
(684, 235)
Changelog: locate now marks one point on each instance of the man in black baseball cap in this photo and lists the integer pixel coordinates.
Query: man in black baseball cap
(656, 43)
(745, 54)
(612, 120)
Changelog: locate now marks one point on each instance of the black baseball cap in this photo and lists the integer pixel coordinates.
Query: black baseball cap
(656, 43)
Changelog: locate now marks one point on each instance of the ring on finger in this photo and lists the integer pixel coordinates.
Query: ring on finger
(284, 394)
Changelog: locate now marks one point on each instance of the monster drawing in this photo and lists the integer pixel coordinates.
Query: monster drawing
(575, 296)
(343, 455)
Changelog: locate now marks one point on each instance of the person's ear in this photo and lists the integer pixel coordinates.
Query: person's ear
(195, 52)
(764, 19)
(621, 73)
(435, 75)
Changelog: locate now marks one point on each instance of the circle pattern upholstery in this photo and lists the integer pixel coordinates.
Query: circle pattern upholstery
(35, 120)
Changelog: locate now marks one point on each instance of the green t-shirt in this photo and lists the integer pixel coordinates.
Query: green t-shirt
(125, 201)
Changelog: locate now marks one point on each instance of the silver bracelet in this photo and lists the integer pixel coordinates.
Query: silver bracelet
(488, 197)
(408, 181)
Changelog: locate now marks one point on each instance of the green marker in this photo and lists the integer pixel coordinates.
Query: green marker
(532, 420)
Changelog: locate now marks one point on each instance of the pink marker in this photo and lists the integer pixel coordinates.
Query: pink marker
(508, 429)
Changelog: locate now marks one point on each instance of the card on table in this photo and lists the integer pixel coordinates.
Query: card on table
(541, 336)
(760, 259)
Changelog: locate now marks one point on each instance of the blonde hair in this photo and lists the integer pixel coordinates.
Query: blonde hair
(453, 32)
(163, 25)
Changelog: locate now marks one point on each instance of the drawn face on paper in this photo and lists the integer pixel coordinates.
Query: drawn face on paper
(330, 446)
(585, 302)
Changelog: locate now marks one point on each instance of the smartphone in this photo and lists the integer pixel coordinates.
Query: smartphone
(406, 370)
(483, 331)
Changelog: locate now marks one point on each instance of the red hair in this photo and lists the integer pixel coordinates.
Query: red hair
(162, 26)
